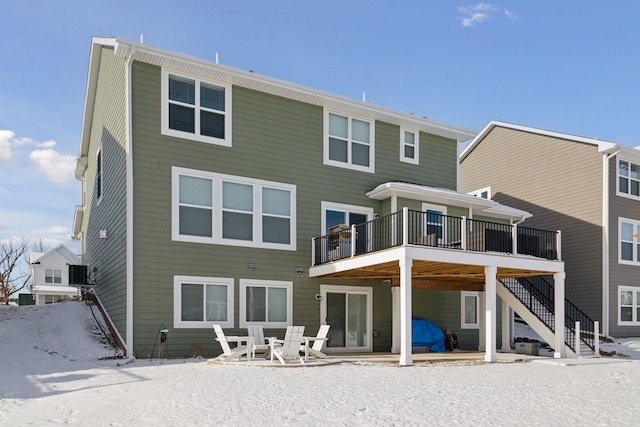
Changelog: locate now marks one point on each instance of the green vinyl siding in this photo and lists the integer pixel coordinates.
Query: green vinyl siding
(106, 258)
(275, 139)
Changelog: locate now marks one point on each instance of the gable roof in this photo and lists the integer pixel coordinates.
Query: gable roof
(61, 250)
(602, 146)
(132, 51)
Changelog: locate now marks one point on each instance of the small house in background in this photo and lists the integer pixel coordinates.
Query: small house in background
(49, 273)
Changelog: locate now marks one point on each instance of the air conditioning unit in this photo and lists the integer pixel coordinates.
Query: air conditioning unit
(77, 275)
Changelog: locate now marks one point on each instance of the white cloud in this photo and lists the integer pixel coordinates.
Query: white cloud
(511, 16)
(53, 236)
(6, 136)
(481, 12)
(18, 142)
(47, 144)
(57, 167)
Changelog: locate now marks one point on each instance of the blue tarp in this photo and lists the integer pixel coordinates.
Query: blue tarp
(425, 333)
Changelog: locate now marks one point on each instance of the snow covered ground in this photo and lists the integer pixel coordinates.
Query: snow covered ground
(50, 374)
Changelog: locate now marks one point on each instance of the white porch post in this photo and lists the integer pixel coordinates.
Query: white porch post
(558, 287)
(506, 328)
(406, 357)
(481, 321)
(490, 273)
(395, 319)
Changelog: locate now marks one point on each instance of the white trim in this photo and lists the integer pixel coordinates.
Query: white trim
(196, 136)
(463, 323)
(618, 192)
(415, 160)
(287, 285)
(634, 306)
(341, 207)
(257, 214)
(361, 290)
(129, 211)
(635, 241)
(349, 163)
(443, 224)
(178, 281)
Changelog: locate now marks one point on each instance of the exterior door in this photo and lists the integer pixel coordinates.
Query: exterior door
(348, 310)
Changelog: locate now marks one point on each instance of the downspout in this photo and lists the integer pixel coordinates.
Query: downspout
(605, 241)
(129, 204)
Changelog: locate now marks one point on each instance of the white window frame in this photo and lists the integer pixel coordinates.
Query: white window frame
(348, 164)
(478, 193)
(287, 285)
(349, 290)
(416, 146)
(217, 239)
(618, 192)
(196, 136)
(634, 305)
(341, 207)
(463, 323)
(99, 174)
(178, 323)
(441, 208)
(53, 275)
(635, 241)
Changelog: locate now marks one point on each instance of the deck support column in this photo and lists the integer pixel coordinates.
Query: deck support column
(490, 273)
(395, 319)
(481, 321)
(506, 328)
(406, 358)
(558, 295)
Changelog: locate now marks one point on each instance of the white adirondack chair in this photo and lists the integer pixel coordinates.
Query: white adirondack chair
(318, 342)
(229, 353)
(259, 344)
(289, 348)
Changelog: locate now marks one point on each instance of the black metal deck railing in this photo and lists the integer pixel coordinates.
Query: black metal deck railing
(434, 230)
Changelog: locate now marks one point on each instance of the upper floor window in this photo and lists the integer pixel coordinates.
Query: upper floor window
(99, 174)
(483, 193)
(196, 109)
(52, 275)
(628, 178)
(199, 302)
(409, 148)
(349, 143)
(629, 241)
(232, 210)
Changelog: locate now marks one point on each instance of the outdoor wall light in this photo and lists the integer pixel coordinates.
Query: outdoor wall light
(103, 233)
(251, 266)
(299, 270)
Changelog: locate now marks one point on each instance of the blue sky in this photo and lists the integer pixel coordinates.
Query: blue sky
(568, 66)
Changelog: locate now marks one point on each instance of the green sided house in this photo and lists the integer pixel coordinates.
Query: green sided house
(212, 195)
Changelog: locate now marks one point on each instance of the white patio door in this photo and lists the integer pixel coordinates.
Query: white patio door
(348, 310)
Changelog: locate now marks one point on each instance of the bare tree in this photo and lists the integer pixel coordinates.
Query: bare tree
(12, 279)
(39, 246)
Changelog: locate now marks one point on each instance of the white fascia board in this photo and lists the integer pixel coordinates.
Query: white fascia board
(35, 256)
(601, 144)
(208, 69)
(628, 153)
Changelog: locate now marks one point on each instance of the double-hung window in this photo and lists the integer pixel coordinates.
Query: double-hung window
(349, 142)
(409, 146)
(196, 109)
(470, 313)
(628, 305)
(628, 178)
(200, 302)
(232, 210)
(52, 276)
(629, 241)
(266, 302)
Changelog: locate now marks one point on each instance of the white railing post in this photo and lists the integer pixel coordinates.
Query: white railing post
(313, 251)
(577, 334)
(558, 242)
(463, 231)
(405, 225)
(596, 338)
(353, 240)
(514, 239)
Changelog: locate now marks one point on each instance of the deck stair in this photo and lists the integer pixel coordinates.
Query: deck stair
(532, 298)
